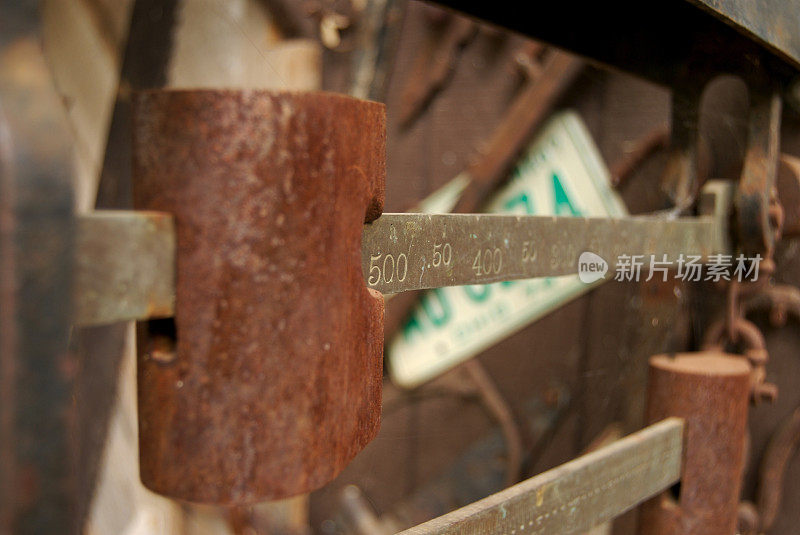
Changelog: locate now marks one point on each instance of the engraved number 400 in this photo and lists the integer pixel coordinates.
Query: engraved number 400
(387, 270)
(488, 261)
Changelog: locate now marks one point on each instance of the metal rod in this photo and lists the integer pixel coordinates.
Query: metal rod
(126, 260)
(125, 267)
(578, 495)
(403, 252)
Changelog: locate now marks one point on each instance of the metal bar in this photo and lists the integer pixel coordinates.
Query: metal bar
(125, 267)
(773, 24)
(126, 260)
(722, 36)
(755, 231)
(403, 252)
(578, 495)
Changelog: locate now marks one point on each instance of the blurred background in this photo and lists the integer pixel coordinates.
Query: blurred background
(484, 386)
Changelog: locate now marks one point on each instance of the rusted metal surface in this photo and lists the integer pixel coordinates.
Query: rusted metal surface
(276, 380)
(38, 483)
(755, 233)
(578, 495)
(699, 141)
(710, 390)
(780, 300)
(733, 328)
(612, 107)
(747, 334)
(682, 174)
(709, 40)
(788, 184)
(125, 267)
(772, 23)
(782, 448)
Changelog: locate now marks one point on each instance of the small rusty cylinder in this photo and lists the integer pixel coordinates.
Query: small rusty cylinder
(710, 390)
(269, 380)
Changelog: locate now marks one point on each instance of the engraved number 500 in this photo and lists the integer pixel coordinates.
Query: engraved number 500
(387, 270)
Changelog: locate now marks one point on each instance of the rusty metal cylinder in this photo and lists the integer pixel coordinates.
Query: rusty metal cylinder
(268, 381)
(710, 390)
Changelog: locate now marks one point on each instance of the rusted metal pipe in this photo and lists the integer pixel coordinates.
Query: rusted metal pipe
(710, 391)
(781, 449)
(276, 380)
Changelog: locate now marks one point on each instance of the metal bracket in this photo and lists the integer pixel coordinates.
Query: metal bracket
(756, 188)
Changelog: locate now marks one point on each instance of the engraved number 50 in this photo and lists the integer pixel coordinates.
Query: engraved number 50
(442, 254)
